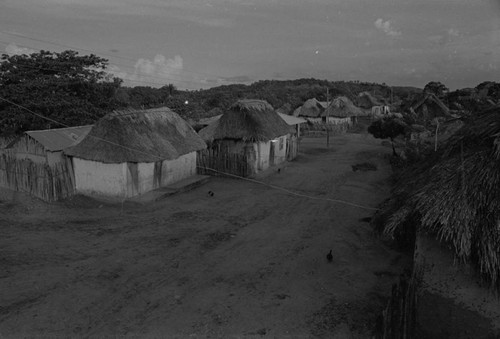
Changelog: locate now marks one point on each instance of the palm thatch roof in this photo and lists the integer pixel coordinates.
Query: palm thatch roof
(456, 196)
(138, 136)
(311, 108)
(367, 100)
(342, 107)
(247, 120)
(432, 104)
(285, 109)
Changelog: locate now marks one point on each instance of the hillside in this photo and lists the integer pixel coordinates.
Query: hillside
(194, 104)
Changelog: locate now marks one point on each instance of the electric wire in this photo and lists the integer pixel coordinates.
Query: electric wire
(211, 169)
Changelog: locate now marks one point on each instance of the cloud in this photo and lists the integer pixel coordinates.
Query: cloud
(156, 73)
(13, 49)
(386, 27)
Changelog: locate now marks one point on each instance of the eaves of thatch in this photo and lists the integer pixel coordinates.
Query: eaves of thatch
(431, 99)
(456, 196)
(367, 100)
(342, 107)
(247, 120)
(312, 108)
(138, 136)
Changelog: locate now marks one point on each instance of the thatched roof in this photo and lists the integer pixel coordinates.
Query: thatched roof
(433, 104)
(367, 100)
(138, 136)
(285, 109)
(342, 107)
(456, 195)
(247, 120)
(312, 108)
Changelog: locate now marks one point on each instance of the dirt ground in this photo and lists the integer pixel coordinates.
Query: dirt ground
(249, 261)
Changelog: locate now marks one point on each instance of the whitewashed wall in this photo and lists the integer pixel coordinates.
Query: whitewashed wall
(116, 180)
(178, 169)
(146, 177)
(280, 154)
(92, 177)
(263, 149)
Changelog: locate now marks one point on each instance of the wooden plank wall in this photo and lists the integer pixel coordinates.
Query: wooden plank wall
(318, 130)
(214, 161)
(49, 183)
(293, 148)
(399, 318)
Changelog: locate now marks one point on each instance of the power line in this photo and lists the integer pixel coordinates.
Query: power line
(211, 169)
(289, 191)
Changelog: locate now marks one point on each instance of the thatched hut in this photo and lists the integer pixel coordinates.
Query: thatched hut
(428, 107)
(311, 110)
(367, 100)
(342, 110)
(455, 198)
(131, 152)
(253, 132)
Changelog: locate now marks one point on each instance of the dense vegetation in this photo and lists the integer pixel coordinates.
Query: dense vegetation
(66, 88)
(76, 90)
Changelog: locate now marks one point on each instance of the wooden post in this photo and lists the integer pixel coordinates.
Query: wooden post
(327, 116)
(436, 137)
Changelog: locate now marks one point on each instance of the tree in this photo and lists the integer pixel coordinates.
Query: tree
(65, 87)
(388, 128)
(437, 88)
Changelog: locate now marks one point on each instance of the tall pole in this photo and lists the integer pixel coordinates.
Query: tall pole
(327, 116)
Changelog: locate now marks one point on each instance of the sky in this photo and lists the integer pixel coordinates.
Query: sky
(197, 44)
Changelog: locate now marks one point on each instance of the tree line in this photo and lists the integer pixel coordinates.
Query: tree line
(71, 89)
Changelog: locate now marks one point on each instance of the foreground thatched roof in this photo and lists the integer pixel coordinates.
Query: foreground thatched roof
(456, 196)
(342, 107)
(138, 136)
(247, 120)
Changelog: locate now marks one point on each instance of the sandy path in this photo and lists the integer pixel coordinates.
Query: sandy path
(249, 261)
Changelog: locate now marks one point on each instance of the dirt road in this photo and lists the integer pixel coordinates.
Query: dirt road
(249, 261)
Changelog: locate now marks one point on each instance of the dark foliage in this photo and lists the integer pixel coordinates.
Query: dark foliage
(387, 128)
(65, 87)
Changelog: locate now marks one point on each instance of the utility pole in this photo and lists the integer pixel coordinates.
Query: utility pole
(327, 116)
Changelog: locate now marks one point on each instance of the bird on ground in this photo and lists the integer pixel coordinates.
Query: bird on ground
(210, 193)
(329, 256)
(279, 170)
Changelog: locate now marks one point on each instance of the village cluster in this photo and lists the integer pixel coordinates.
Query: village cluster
(131, 152)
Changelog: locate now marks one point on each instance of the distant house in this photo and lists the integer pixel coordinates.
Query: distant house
(311, 110)
(428, 107)
(131, 152)
(46, 146)
(285, 109)
(380, 111)
(35, 163)
(366, 100)
(342, 110)
(247, 138)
